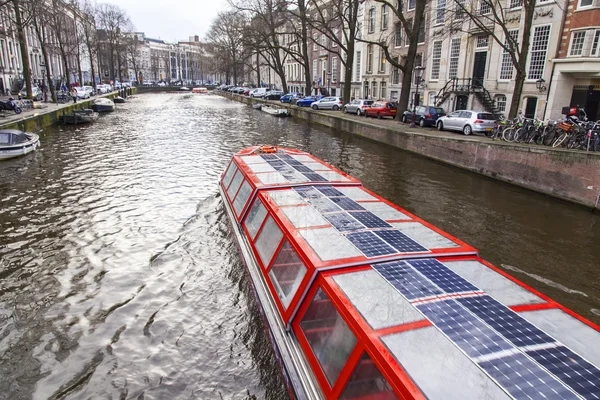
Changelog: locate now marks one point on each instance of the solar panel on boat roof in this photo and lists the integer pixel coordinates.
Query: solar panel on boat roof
(406, 280)
(314, 177)
(442, 276)
(369, 244)
(399, 241)
(369, 219)
(329, 191)
(343, 222)
(346, 203)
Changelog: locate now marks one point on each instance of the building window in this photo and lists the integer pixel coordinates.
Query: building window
(396, 73)
(439, 12)
(372, 20)
(314, 69)
(334, 69)
(358, 54)
(335, 38)
(323, 40)
(539, 47)
(577, 40)
(398, 36)
(454, 57)
(484, 7)
(436, 57)
(431, 100)
(506, 68)
(482, 42)
(394, 95)
(515, 3)
(459, 9)
(383, 90)
(501, 103)
(412, 4)
(366, 90)
(369, 58)
(381, 59)
(315, 42)
(585, 3)
(384, 17)
(595, 44)
(421, 38)
(374, 89)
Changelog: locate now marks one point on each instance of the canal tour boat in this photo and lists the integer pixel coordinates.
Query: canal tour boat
(364, 300)
(14, 143)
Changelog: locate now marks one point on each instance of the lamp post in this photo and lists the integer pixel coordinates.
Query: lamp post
(418, 71)
(539, 84)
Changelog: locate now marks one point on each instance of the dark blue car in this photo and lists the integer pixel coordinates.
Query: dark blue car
(287, 98)
(307, 101)
(426, 115)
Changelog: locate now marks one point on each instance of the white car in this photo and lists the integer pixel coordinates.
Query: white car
(162, 84)
(467, 122)
(82, 93)
(328, 103)
(89, 89)
(103, 88)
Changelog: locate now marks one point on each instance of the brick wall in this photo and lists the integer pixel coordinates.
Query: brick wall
(577, 19)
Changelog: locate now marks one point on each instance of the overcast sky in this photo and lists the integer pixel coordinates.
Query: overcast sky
(171, 20)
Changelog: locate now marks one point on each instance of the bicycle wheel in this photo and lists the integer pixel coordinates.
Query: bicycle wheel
(508, 135)
(520, 134)
(561, 138)
(549, 136)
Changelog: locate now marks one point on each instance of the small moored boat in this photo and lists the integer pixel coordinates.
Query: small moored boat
(103, 104)
(276, 111)
(257, 106)
(14, 143)
(201, 90)
(118, 100)
(364, 300)
(83, 116)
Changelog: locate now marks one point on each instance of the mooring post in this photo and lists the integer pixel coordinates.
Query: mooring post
(597, 200)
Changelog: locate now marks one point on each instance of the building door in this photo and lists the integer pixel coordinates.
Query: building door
(479, 68)
(530, 107)
(461, 102)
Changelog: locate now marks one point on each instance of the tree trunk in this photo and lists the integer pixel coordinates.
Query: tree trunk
(521, 68)
(258, 69)
(23, 46)
(348, 68)
(305, 58)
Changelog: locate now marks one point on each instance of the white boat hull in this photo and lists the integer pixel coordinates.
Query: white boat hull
(20, 149)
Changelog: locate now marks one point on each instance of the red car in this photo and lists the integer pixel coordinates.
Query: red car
(381, 109)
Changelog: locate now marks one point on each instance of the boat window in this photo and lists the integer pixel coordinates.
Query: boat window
(235, 184)
(229, 174)
(268, 240)
(242, 197)
(287, 273)
(4, 138)
(328, 335)
(255, 218)
(367, 382)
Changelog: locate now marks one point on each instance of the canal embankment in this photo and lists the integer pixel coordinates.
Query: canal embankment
(49, 114)
(571, 175)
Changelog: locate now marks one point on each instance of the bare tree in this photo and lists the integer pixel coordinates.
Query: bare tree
(132, 45)
(226, 34)
(113, 21)
(21, 21)
(338, 21)
(412, 27)
(298, 48)
(492, 19)
(89, 37)
(40, 20)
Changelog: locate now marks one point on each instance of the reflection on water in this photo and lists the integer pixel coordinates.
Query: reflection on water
(119, 277)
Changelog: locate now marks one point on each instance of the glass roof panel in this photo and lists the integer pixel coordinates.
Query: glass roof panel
(439, 368)
(303, 158)
(502, 289)
(424, 235)
(235, 184)
(315, 166)
(367, 382)
(242, 197)
(271, 178)
(252, 159)
(384, 211)
(286, 197)
(355, 193)
(380, 304)
(255, 218)
(261, 167)
(287, 273)
(304, 217)
(333, 176)
(229, 174)
(268, 240)
(568, 330)
(329, 244)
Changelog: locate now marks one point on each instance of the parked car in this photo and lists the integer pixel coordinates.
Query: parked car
(36, 92)
(357, 106)
(289, 97)
(273, 95)
(467, 121)
(89, 89)
(82, 93)
(307, 101)
(381, 109)
(102, 88)
(247, 91)
(328, 103)
(260, 92)
(425, 115)
(128, 84)
(162, 84)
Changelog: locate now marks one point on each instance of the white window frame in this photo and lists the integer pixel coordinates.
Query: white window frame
(398, 28)
(579, 6)
(531, 51)
(436, 61)
(580, 43)
(453, 58)
(334, 69)
(506, 56)
(371, 20)
(595, 42)
(385, 14)
(440, 12)
(515, 4)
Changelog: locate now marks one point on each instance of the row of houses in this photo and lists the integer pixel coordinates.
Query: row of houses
(463, 67)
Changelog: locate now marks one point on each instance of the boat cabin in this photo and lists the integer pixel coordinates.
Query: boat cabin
(382, 305)
(10, 137)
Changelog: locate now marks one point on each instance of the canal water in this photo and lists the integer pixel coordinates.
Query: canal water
(119, 277)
